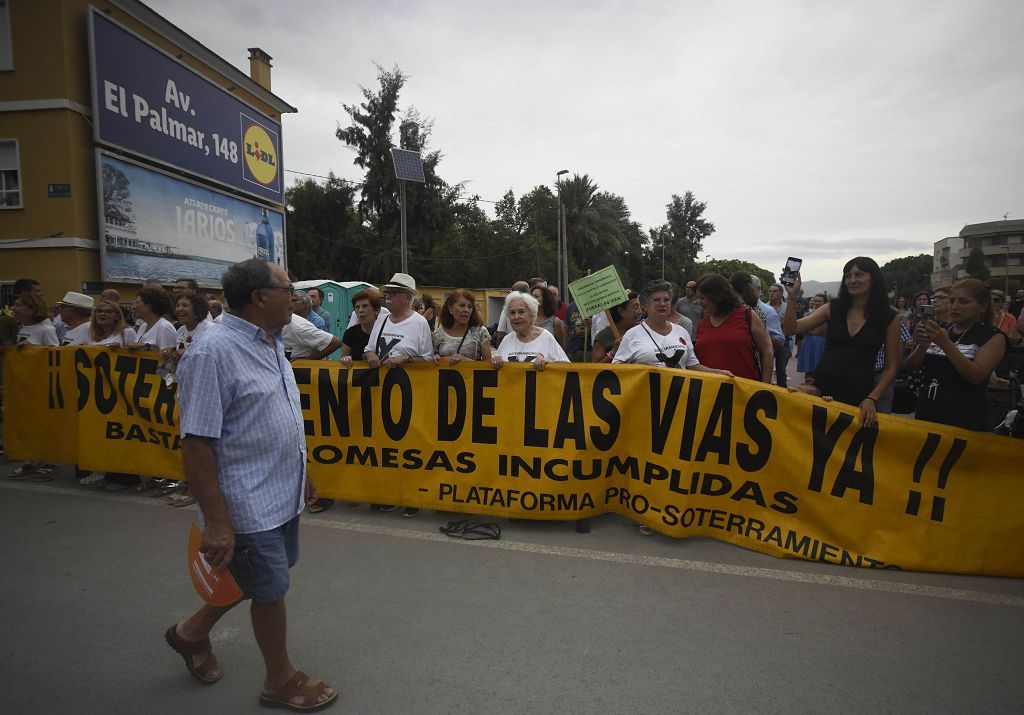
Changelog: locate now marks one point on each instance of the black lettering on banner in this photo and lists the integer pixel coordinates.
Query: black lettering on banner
(577, 469)
(720, 419)
(862, 445)
(333, 398)
(466, 463)
(605, 409)
(412, 460)
(396, 377)
(623, 465)
(143, 387)
(785, 503)
(124, 366)
(82, 363)
(483, 407)
(532, 436)
(366, 378)
(715, 485)
(690, 419)
(928, 450)
(749, 490)
(115, 430)
(363, 455)
(56, 394)
(105, 401)
(747, 459)
(389, 457)
(570, 414)
(448, 382)
(661, 419)
(439, 458)
(675, 485)
(823, 442)
(327, 454)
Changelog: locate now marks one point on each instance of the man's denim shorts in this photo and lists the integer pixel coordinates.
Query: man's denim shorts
(262, 559)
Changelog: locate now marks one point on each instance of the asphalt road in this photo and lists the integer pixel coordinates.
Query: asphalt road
(405, 620)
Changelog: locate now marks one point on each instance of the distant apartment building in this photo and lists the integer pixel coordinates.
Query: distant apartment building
(1002, 242)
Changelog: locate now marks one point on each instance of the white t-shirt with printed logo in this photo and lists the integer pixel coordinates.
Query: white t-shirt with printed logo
(78, 335)
(42, 333)
(513, 349)
(644, 346)
(409, 338)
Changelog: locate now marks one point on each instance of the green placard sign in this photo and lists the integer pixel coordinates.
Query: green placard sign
(598, 291)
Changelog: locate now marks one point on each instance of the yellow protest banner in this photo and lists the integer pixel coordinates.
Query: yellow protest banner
(690, 454)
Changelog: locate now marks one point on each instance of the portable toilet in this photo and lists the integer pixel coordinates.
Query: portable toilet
(337, 302)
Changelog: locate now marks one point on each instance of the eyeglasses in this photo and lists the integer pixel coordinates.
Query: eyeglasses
(287, 289)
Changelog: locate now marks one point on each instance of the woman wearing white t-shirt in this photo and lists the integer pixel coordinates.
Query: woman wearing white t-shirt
(527, 342)
(34, 329)
(659, 342)
(107, 326)
(191, 310)
(156, 332)
(656, 340)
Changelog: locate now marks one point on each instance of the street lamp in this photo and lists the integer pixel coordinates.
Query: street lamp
(560, 241)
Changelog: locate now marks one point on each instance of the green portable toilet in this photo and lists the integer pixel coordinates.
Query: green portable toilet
(337, 302)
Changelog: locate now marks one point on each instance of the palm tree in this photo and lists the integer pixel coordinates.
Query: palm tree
(594, 223)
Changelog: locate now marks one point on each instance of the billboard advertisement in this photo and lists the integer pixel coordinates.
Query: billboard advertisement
(148, 103)
(157, 226)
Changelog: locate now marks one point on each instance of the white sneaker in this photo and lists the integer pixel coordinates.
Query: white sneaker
(92, 478)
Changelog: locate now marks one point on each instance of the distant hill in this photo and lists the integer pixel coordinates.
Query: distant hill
(813, 287)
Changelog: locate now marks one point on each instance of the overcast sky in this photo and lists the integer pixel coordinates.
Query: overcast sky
(821, 130)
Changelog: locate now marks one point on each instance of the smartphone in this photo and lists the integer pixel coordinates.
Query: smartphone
(928, 312)
(790, 271)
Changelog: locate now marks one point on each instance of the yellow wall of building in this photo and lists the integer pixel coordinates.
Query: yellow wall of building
(51, 62)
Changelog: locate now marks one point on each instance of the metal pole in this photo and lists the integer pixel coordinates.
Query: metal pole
(405, 246)
(558, 236)
(662, 255)
(564, 279)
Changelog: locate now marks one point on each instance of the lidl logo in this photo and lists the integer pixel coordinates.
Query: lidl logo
(260, 154)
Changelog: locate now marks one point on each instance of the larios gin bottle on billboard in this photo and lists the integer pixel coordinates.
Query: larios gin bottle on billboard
(265, 240)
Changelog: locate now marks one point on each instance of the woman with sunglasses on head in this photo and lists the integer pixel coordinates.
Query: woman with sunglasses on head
(958, 360)
(860, 321)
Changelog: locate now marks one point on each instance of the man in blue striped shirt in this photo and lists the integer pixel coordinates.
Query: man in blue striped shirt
(244, 453)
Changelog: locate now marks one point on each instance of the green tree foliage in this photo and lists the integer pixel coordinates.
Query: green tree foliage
(683, 235)
(727, 266)
(117, 201)
(594, 224)
(325, 236)
(975, 265)
(909, 274)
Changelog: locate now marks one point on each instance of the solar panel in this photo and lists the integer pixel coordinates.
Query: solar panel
(408, 165)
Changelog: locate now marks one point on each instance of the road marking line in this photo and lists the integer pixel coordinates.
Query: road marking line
(909, 589)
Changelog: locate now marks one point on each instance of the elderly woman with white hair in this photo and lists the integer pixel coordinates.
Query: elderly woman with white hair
(527, 342)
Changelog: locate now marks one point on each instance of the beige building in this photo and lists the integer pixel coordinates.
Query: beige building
(1002, 242)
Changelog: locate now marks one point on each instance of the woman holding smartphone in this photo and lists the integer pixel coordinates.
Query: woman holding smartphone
(959, 359)
(860, 321)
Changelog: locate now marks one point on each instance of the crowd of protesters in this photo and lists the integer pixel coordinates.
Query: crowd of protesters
(945, 344)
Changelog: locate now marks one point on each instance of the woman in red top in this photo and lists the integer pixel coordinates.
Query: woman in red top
(728, 334)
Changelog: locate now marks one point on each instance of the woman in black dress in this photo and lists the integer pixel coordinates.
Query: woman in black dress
(958, 359)
(860, 321)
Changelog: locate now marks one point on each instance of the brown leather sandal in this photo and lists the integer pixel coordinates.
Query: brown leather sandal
(186, 649)
(298, 686)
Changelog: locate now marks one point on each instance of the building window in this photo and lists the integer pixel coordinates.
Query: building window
(10, 175)
(6, 56)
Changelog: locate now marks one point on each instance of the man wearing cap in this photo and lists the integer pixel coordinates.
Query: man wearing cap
(75, 309)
